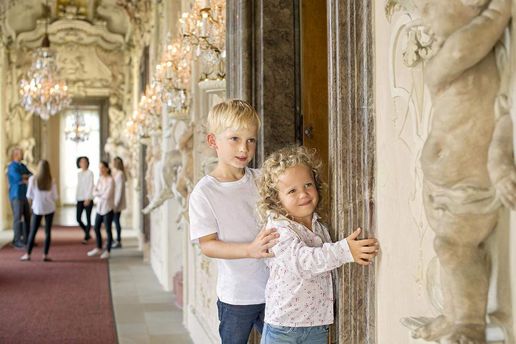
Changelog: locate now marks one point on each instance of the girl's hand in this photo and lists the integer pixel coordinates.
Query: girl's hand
(363, 251)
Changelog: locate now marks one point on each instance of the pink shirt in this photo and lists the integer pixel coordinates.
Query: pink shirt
(299, 292)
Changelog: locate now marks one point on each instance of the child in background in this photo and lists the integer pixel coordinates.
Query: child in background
(299, 293)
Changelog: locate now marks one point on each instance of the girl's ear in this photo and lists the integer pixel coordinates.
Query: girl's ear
(212, 141)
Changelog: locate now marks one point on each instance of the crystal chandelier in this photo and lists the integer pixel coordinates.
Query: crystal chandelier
(78, 131)
(42, 93)
(204, 28)
(173, 75)
(148, 116)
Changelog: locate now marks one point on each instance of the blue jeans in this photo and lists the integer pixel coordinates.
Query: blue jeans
(273, 334)
(237, 321)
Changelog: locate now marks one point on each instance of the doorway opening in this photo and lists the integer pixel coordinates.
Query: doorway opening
(70, 150)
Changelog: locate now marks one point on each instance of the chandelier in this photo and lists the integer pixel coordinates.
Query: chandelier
(204, 28)
(78, 131)
(172, 75)
(148, 116)
(43, 93)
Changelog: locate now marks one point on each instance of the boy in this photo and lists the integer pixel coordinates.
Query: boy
(223, 219)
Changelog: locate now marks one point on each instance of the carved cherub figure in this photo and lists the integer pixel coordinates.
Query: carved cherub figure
(462, 190)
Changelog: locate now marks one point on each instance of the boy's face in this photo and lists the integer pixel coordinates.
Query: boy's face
(297, 193)
(235, 147)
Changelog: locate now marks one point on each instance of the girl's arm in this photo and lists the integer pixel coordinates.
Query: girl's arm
(30, 189)
(307, 261)
(54, 191)
(119, 181)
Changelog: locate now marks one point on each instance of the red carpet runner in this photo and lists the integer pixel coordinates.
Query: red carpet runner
(67, 300)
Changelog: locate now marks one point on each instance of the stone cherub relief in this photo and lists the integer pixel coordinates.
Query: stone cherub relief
(175, 172)
(467, 158)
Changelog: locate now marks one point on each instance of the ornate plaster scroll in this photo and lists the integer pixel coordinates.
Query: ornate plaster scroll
(463, 168)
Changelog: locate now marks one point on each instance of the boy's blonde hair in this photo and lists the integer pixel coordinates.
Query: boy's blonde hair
(275, 165)
(234, 114)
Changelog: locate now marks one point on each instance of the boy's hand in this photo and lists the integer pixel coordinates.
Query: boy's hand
(266, 239)
(363, 251)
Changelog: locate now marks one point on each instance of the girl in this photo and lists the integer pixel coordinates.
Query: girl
(120, 178)
(299, 292)
(104, 195)
(42, 191)
(84, 195)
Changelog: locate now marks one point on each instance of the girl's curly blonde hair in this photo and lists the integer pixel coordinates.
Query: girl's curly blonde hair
(274, 167)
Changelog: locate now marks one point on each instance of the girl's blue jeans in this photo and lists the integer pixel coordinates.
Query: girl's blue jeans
(273, 334)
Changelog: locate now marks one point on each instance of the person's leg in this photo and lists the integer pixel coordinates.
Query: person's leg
(79, 209)
(89, 207)
(116, 219)
(17, 225)
(236, 321)
(96, 228)
(26, 221)
(258, 322)
(282, 335)
(36, 221)
(315, 335)
(48, 229)
(108, 220)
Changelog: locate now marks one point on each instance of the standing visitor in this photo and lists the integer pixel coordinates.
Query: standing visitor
(18, 174)
(120, 178)
(104, 198)
(42, 191)
(84, 195)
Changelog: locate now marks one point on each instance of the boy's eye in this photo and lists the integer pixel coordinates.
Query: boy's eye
(234, 138)
(251, 140)
(309, 185)
(291, 191)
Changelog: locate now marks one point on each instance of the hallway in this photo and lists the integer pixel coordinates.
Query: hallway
(58, 313)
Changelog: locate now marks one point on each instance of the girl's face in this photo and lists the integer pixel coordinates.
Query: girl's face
(83, 163)
(103, 170)
(298, 194)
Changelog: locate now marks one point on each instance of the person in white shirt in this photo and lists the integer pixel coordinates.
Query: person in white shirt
(104, 194)
(223, 220)
(84, 195)
(299, 293)
(42, 192)
(120, 179)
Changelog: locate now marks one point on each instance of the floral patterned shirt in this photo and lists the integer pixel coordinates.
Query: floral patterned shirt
(299, 291)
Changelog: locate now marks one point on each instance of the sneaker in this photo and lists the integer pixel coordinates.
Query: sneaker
(104, 255)
(116, 244)
(47, 259)
(25, 258)
(94, 252)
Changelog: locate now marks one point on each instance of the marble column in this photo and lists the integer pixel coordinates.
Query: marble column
(352, 158)
(260, 60)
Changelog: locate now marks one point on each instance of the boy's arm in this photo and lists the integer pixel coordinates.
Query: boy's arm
(469, 44)
(212, 247)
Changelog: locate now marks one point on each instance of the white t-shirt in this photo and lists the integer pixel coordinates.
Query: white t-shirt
(43, 201)
(229, 210)
(85, 185)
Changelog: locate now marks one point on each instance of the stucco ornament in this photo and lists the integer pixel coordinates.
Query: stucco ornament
(467, 159)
